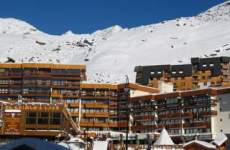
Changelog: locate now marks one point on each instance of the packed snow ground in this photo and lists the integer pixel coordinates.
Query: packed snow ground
(112, 53)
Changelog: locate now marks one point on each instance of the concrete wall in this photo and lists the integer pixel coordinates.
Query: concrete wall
(222, 121)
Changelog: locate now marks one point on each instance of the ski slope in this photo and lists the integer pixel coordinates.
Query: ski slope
(112, 53)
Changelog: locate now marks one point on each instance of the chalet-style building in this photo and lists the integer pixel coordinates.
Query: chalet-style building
(201, 73)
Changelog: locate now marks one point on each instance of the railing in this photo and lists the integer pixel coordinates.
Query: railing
(209, 113)
(96, 114)
(70, 119)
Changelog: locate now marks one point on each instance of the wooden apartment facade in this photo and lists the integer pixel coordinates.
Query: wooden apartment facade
(202, 72)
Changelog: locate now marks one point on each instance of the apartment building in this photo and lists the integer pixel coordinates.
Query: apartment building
(201, 113)
(201, 73)
(47, 83)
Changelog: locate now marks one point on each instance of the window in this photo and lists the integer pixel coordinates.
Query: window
(55, 118)
(31, 118)
(43, 118)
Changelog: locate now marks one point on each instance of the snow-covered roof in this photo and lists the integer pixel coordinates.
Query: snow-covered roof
(34, 143)
(13, 111)
(100, 145)
(220, 139)
(164, 139)
(202, 143)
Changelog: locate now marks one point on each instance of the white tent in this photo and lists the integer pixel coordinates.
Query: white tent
(164, 139)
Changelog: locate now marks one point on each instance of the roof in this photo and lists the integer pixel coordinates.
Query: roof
(202, 143)
(220, 139)
(164, 139)
(34, 143)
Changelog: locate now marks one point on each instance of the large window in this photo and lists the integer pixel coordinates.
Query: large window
(31, 118)
(55, 118)
(43, 118)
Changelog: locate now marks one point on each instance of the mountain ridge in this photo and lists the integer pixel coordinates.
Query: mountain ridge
(112, 53)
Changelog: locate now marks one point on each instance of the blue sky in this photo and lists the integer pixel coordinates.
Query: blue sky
(86, 16)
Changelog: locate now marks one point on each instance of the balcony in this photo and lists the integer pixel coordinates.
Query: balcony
(209, 113)
(197, 125)
(96, 114)
(144, 127)
(37, 94)
(188, 114)
(100, 124)
(122, 124)
(113, 124)
(98, 97)
(86, 123)
(142, 117)
(174, 126)
(10, 94)
(36, 74)
(58, 95)
(10, 75)
(65, 77)
(70, 95)
(171, 115)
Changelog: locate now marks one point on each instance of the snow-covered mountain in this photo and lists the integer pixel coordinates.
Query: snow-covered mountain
(112, 53)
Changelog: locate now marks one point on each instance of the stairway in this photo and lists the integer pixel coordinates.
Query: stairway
(70, 119)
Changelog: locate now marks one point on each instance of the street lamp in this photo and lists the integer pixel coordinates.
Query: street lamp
(127, 94)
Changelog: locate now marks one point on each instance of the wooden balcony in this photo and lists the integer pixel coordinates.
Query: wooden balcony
(197, 125)
(10, 75)
(174, 126)
(36, 74)
(122, 124)
(86, 124)
(36, 85)
(58, 95)
(113, 124)
(143, 127)
(209, 113)
(171, 115)
(74, 114)
(67, 78)
(67, 86)
(36, 94)
(10, 94)
(142, 117)
(101, 124)
(40, 107)
(188, 114)
(98, 97)
(96, 114)
(10, 85)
